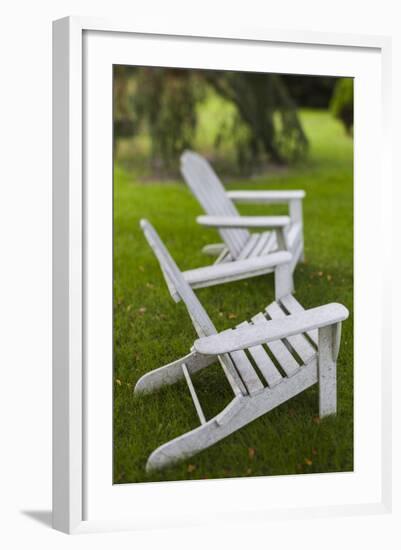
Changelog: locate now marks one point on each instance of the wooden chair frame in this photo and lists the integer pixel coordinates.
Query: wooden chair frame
(272, 232)
(278, 354)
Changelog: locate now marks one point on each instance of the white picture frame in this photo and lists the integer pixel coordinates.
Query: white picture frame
(71, 257)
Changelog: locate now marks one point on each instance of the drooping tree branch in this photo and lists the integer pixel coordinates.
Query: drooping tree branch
(259, 98)
(164, 102)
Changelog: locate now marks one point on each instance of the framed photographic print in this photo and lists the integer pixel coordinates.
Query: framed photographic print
(219, 337)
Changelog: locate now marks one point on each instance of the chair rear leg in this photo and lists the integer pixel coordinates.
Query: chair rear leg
(171, 373)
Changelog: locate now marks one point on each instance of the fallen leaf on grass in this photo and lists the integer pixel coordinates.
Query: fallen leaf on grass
(118, 382)
(142, 310)
(251, 453)
(308, 461)
(160, 316)
(191, 468)
(316, 420)
(314, 451)
(232, 316)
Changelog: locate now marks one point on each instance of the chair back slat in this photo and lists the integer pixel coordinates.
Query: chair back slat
(210, 192)
(176, 283)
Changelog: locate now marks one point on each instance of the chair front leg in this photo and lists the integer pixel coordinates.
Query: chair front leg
(329, 345)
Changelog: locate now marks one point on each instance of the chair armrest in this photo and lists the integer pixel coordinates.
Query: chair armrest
(256, 222)
(265, 196)
(276, 329)
(234, 271)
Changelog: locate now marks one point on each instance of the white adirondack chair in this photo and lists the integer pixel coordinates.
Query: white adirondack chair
(273, 232)
(273, 357)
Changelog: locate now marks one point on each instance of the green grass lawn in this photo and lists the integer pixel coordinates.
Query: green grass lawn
(150, 330)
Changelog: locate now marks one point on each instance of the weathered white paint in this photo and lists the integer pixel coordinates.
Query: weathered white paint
(327, 370)
(234, 271)
(278, 349)
(171, 373)
(291, 305)
(283, 281)
(299, 343)
(286, 231)
(263, 361)
(202, 322)
(276, 329)
(257, 382)
(238, 413)
(211, 194)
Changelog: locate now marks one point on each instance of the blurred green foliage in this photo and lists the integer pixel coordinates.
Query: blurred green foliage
(266, 110)
(310, 91)
(124, 124)
(342, 103)
(163, 103)
(159, 112)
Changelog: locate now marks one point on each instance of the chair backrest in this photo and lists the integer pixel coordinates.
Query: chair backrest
(210, 192)
(177, 285)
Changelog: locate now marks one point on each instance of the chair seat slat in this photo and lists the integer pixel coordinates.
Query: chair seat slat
(263, 239)
(298, 342)
(232, 375)
(279, 350)
(292, 305)
(247, 372)
(224, 257)
(248, 246)
(270, 245)
(263, 362)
